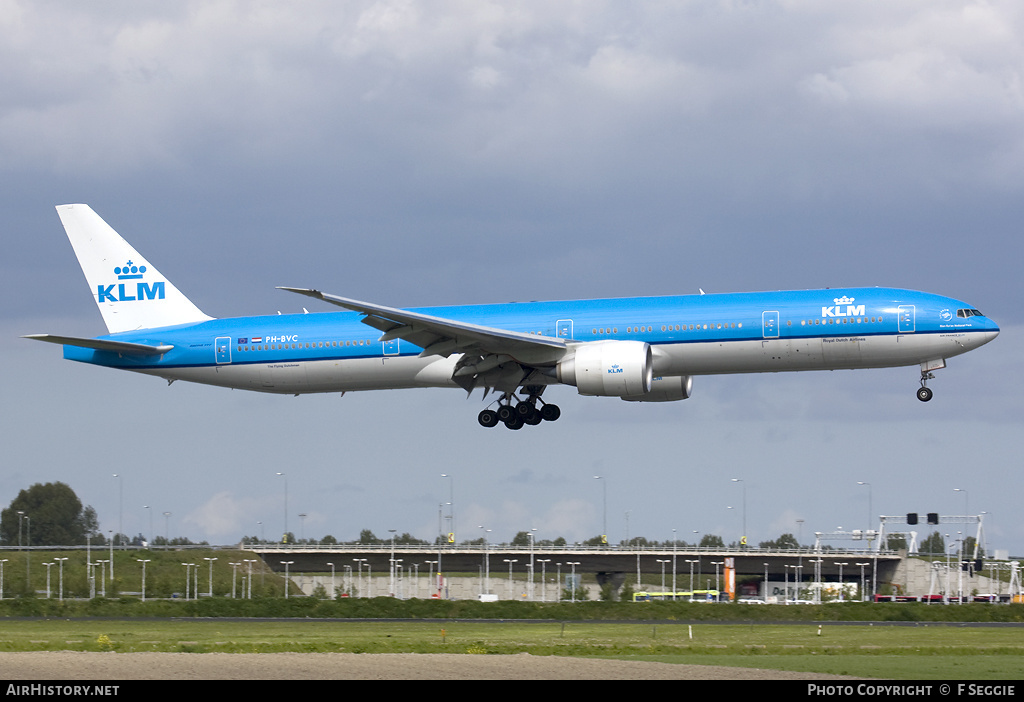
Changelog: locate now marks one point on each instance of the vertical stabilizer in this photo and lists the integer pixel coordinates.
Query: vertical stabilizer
(130, 292)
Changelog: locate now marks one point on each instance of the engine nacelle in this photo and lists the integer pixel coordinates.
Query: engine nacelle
(666, 389)
(609, 368)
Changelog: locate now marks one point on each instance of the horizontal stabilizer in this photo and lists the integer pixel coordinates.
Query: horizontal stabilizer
(103, 344)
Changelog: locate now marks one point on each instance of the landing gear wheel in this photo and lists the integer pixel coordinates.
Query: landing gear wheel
(534, 419)
(525, 408)
(488, 418)
(514, 423)
(550, 413)
(506, 412)
(924, 394)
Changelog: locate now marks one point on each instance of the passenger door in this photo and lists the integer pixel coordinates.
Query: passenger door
(222, 346)
(907, 321)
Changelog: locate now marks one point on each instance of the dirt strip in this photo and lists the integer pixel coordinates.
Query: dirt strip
(78, 666)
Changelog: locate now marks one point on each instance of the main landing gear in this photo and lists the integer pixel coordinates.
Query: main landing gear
(523, 412)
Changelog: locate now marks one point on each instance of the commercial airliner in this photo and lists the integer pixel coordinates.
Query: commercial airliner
(645, 349)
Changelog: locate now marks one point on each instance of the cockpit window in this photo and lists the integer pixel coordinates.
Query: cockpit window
(969, 313)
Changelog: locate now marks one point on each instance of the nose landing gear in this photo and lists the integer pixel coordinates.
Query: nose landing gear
(924, 393)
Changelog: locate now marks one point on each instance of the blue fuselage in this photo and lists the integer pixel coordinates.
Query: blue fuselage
(689, 335)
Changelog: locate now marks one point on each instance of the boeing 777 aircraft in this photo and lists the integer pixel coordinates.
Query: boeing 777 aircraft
(638, 349)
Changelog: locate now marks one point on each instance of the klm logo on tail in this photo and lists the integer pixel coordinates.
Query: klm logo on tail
(122, 292)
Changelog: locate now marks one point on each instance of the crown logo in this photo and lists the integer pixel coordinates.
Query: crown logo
(129, 271)
(844, 300)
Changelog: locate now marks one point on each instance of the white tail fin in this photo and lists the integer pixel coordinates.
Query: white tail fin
(130, 292)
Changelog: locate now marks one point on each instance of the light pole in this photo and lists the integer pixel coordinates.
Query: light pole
(573, 580)
(663, 562)
(743, 537)
(870, 512)
(285, 537)
(530, 564)
(862, 592)
(249, 562)
(28, 555)
(120, 507)
(167, 529)
(188, 577)
(717, 586)
(143, 562)
(842, 598)
(432, 585)
(60, 569)
(234, 575)
(47, 580)
(209, 562)
(286, 564)
(817, 578)
(674, 542)
(487, 563)
(510, 561)
(604, 508)
(451, 507)
(543, 577)
(90, 576)
(333, 594)
(150, 535)
(103, 577)
(359, 574)
(691, 562)
(391, 571)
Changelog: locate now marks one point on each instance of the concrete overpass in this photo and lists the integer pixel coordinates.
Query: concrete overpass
(607, 563)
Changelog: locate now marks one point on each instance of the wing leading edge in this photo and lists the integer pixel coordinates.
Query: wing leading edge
(491, 357)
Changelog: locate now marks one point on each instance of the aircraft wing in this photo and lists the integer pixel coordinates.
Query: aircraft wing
(103, 344)
(491, 356)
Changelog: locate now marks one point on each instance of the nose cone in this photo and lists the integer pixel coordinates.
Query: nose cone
(989, 330)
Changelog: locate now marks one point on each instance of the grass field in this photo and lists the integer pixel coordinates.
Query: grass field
(908, 652)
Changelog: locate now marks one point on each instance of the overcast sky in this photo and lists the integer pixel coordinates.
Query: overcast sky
(437, 153)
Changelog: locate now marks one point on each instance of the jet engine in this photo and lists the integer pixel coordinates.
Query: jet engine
(609, 368)
(665, 389)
